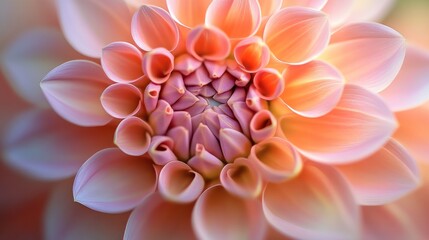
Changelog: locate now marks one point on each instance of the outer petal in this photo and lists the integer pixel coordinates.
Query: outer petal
(268, 7)
(382, 177)
(113, 182)
(133, 136)
(208, 43)
(74, 88)
(189, 13)
(411, 87)
(367, 54)
(121, 100)
(368, 10)
(155, 215)
(81, 21)
(360, 124)
(43, 145)
(338, 10)
(316, 4)
(219, 215)
(315, 205)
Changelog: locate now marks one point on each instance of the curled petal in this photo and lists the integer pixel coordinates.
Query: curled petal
(122, 62)
(234, 144)
(161, 117)
(179, 183)
(269, 7)
(313, 89)
(203, 135)
(152, 27)
(158, 65)
(252, 54)
(74, 88)
(151, 96)
(208, 43)
(262, 126)
(160, 150)
(182, 139)
(367, 54)
(189, 13)
(360, 124)
(133, 136)
(241, 178)
(173, 89)
(220, 215)
(268, 83)
(121, 100)
(316, 4)
(243, 78)
(205, 163)
(186, 64)
(113, 182)
(254, 101)
(296, 35)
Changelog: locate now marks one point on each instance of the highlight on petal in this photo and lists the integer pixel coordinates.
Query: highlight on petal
(312, 89)
(179, 183)
(121, 100)
(189, 13)
(152, 27)
(234, 144)
(383, 177)
(411, 86)
(122, 62)
(81, 21)
(208, 43)
(268, 83)
(158, 65)
(263, 126)
(367, 10)
(339, 10)
(367, 54)
(218, 214)
(316, 4)
(296, 35)
(317, 204)
(359, 125)
(237, 18)
(111, 181)
(252, 54)
(74, 88)
(133, 136)
(269, 7)
(151, 219)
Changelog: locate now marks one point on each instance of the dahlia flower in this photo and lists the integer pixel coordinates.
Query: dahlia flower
(225, 119)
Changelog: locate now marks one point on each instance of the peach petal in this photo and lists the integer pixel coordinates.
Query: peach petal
(241, 178)
(297, 35)
(74, 88)
(189, 13)
(262, 126)
(312, 90)
(252, 54)
(173, 89)
(367, 10)
(208, 43)
(203, 135)
(151, 96)
(411, 86)
(151, 219)
(269, 7)
(81, 21)
(113, 182)
(215, 69)
(198, 78)
(121, 100)
(243, 115)
(317, 204)
(238, 19)
(136, 4)
(205, 163)
(316, 4)
(382, 177)
(224, 83)
(133, 136)
(268, 83)
(254, 101)
(179, 183)
(186, 64)
(243, 78)
(122, 62)
(359, 125)
(160, 150)
(367, 54)
(161, 117)
(158, 65)
(338, 11)
(150, 26)
(234, 144)
(182, 138)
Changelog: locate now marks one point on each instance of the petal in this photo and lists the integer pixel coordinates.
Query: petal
(81, 21)
(315, 205)
(208, 43)
(160, 150)
(252, 54)
(203, 135)
(237, 18)
(161, 117)
(205, 163)
(313, 89)
(113, 182)
(186, 64)
(234, 144)
(268, 83)
(367, 10)
(385, 176)
(367, 54)
(152, 27)
(135, 4)
(189, 13)
(133, 136)
(219, 215)
(411, 86)
(121, 100)
(359, 125)
(158, 65)
(43, 145)
(268, 7)
(181, 146)
(316, 4)
(151, 219)
(262, 126)
(338, 11)
(296, 35)
(74, 88)
(151, 96)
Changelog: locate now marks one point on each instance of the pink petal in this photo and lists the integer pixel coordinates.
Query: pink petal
(133, 136)
(411, 86)
(205, 163)
(296, 35)
(219, 215)
(182, 139)
(122, 61)
(74, 88)
(182, 119)
(254, 101)
(316, 4)
(160, 150)
(121, 100)
(262, 126)
(367, 54)
(215, 69)
(152, 27)
(203, 135)
(268, 83)
(208, 43)
(35, 144)
(173, 89)
(339, 10)
(359, 125)
(186, 101)
(252, 54)
(158, 65)
(81, 21)
(382, 177)
(151, 219)
(238, 19)
(234, 144)
(312, 90)
(243, 115)
(186, 64)
(243, 78)
(161, 117)
(223, 84)
(317, 204)
(151, 96)
(367, 10)
(189, 13)
(113, 182)
(268, 7)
